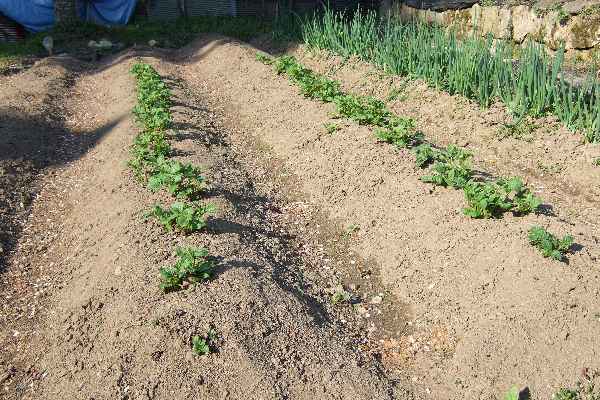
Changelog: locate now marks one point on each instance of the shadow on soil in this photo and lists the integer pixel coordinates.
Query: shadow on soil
(28, 145)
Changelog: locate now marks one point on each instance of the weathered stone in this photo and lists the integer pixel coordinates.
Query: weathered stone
(546, 4)
(494, 20)
(581, 32)
(440, 5)
(577, 6)
(527, 24)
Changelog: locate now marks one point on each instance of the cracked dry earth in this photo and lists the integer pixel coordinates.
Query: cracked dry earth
(443, 307)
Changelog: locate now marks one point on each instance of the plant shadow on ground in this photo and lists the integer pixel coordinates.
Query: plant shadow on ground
(250, 210)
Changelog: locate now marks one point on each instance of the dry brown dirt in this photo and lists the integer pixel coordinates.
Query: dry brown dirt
(445, 307)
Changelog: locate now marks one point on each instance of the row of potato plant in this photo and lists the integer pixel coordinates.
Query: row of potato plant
(449, 167)
(152, 166)
(479, 69)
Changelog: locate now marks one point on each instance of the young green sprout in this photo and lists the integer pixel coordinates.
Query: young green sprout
(550, 245)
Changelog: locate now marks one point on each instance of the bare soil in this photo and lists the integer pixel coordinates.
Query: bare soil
(443, 306)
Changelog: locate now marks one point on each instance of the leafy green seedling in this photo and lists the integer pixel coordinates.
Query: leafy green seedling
(492, 199)
(181, 180)
(200, 346)
(548, 244)
(524, 202)
(452, 169)
(351, 230)
(205, 345)
(485, 200)
(425, 155)
(365, 110)
(187, 218)
(401, 132)
(192, 267)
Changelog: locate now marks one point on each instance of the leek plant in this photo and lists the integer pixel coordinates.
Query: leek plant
(474, 67)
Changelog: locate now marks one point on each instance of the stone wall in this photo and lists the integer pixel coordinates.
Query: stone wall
(576, 24)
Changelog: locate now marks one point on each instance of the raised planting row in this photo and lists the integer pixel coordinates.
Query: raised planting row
(152, 167)
(479, 69)
(448, 167)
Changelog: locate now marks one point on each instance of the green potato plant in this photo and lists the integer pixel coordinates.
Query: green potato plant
(184, 217)
(192, 266)
(548, 244)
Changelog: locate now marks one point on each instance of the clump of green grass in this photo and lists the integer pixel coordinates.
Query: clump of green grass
(479, 69)
(204, 345)
(492, 199)
(401, 132)
(452, 168)
(596, 162)
(548, 244)
(184, 217)
(181, 179)
(192, 266)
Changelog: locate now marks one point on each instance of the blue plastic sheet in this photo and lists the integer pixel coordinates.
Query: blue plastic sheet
(38, 15)
(107, 12)
(34, 15)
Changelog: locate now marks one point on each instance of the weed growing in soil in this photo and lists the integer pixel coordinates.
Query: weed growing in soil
(452, 169)
(331, 128)
(584, 389)
(204, 345)
(521, 129)
(548, 244)
(185, 217)
(264, 59)
(192, 267)
(340, 296)
(181, 179)
(477, 68)
(487, 200)
(401, 132)
(596, 162)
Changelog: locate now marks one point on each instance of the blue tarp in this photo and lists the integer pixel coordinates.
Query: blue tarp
(38, 15)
